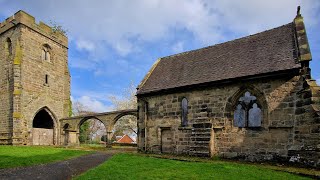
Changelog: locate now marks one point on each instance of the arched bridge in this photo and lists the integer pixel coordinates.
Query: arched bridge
(70, 126)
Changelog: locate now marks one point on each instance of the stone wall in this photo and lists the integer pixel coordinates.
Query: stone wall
(281, 130)
(6, 84)
(36, 92)
(36, 83)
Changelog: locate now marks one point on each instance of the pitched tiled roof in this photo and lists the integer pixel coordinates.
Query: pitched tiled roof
(125, 139)
(265, 52)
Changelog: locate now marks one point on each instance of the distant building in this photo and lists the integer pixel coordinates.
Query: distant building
(126, 139)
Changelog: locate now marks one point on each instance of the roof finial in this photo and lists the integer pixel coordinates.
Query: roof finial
(298, 11)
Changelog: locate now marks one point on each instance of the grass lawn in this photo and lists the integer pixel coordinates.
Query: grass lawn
(129, 166)
(15, 156)
(113, 150)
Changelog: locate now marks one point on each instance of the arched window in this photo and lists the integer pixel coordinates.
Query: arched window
(184, 114)
(45, 54)
(9, 46)
(247, 112)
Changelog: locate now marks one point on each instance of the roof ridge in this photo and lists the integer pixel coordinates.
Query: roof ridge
(219, 44)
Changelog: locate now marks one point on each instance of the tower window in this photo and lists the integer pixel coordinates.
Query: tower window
(9, 46)
(47, 79)
(45, 55)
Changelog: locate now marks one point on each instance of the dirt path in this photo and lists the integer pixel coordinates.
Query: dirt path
(58, 170)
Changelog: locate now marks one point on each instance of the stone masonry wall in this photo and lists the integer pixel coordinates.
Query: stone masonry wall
(6, 84)
(36, 94)
(30, 92)
(279, 100)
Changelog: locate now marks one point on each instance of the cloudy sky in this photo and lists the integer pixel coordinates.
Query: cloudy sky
(115, 42)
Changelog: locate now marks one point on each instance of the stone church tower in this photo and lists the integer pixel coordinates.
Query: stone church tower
(34, 81)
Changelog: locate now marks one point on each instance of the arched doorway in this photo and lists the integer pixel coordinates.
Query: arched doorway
(43, 126)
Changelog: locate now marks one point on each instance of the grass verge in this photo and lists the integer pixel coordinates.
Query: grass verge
(130, 166)
(113, 150)
(17, 156)
(310, 172)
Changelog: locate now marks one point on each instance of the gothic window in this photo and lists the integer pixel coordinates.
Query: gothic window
(45, 54)
(239, 116)
(184, 114)
(254, 119)
(9, 46)
(247, 112)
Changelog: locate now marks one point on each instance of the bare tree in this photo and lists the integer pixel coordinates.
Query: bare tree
(96, 129)
(91, 129)
(79, 109)
(128, 100)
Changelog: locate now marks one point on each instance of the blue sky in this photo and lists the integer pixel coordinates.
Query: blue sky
(113, 43)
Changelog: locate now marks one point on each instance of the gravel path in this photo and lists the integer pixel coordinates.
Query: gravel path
(58, 170)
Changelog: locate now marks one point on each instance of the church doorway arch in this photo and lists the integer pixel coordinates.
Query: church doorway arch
(43, 128)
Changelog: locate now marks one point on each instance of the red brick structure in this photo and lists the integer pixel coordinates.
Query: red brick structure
(126, 139)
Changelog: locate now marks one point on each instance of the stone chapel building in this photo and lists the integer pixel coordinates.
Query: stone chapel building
(251, 98)
(34, 81)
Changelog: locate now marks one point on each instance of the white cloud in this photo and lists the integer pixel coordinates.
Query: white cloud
(105, 28)
(93, 104)
(123, 47)
(82, 63)
(178, 47)
(85, 45)
(120, 23)
(318, 82)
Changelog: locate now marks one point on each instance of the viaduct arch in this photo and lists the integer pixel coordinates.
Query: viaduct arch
(70, 126)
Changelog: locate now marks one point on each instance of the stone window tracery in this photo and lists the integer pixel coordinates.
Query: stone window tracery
(46, 52)
(247, 112)
(184, 114)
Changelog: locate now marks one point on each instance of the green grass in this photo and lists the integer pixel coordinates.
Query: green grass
(17, 156)
(129, 166)
(113, 150)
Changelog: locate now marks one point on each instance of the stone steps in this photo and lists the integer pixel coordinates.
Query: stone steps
(200, 138)
(197, 146)
(202, 125)
(205, 131)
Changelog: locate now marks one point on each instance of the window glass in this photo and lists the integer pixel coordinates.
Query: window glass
(184, 106)
(247, 112)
